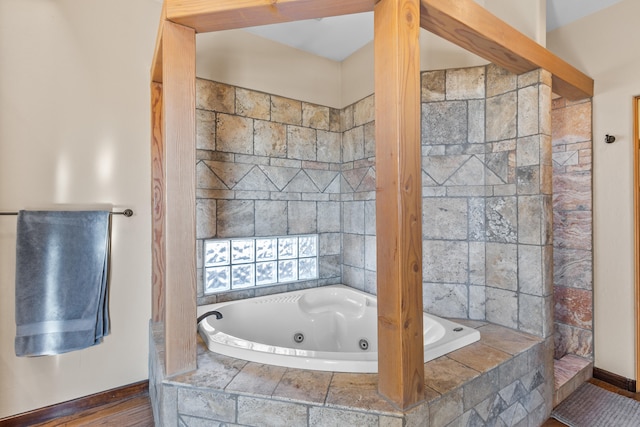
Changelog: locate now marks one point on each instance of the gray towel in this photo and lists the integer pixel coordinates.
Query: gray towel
(61, 281)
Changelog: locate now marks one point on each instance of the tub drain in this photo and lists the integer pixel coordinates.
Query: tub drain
(298, 337)
(364, 344)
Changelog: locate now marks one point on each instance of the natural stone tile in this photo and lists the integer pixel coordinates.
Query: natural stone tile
(205, 218)
(353, 217)
(515, 416)
(499, 80)
(329, 417)
(370, 217)
(256, 379)
(470, 173)
(477, 302)
(446, 409)
(234, 134)
(262, 412)
(445, 261)
(501, 117)
(280, 176)
(302, 217)
(573, 306)
(479, 356)
(328, 217)
(440, 168)
(330, 243)
(353, 248)
(533, 314)
(544, 101)
(370, 282)
(301, 183)
(433, 86)
(235, 218)
(530, 263)
(250, 103)
(359, 391)
(321, 178)
(353, 144)
(528, 180)
(207, 404)
(329, 146)
(573, 267)
(269, 139)
(228, 173)
(446, 375)
(465, 83)
(205, 130)
(528, 151)
(501, 266)
(513, 369)
(370, 253)
(255, 181)
(572, 230)
(364, 111)
(390, 421)
(445, 299)
(444, 123)
(529, 78)
(444, 218)
(476, 217)
(315, 116)
(303, 386)
(334, 120)
(301, 143)
(346, 118)
(498, 168)
(285, 110)
(214, 96)
(571, 124)
(502, 307)
(528, 120)
(572, 191)
(369, 139)
(476, 121)
(530, 211)
(505, 339)
(269, 215)
(368, 182)
(569, 339)
(353, 276)
(501, 219)
(479, 389)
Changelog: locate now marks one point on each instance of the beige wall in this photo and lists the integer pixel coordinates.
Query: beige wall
(605, 46)
(74, 129)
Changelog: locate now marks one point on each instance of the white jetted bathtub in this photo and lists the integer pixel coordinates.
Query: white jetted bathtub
(332, 328)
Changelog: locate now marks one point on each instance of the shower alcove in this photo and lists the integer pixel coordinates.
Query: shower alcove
(487, 186)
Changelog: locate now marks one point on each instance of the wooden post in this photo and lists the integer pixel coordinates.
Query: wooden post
(179, 139)
(398, 201)
(158, 248)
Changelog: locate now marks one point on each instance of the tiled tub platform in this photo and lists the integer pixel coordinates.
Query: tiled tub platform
(505, 379)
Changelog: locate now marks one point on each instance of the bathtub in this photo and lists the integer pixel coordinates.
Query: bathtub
(332, 328)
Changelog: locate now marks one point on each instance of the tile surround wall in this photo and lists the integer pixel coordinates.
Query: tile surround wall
(487, 185)
(573, 228)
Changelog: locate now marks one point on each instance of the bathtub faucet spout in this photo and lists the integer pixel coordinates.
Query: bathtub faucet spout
(210, 313)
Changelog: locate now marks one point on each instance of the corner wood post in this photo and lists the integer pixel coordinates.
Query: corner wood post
(398, 201)
(178, 135)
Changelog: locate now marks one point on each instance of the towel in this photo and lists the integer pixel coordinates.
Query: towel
(61, 281)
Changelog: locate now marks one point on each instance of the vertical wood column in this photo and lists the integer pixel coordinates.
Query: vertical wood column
(398, 201)
(179, 105)
(158, 248)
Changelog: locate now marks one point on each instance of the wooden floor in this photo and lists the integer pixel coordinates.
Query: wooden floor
(136, 411)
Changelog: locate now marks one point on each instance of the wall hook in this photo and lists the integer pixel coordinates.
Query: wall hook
(609, 139)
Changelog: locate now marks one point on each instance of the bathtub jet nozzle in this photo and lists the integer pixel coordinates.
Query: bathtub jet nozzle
(209, 313)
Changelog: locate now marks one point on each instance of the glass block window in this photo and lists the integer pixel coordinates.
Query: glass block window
(261, 261)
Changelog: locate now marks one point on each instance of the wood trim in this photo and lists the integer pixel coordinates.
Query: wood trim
(472, 27)
(158, 179)
(179, 139)
(156, 63)
(636, 216)
(206, 16)
(614, 379)
(399, 201)
(73, 406)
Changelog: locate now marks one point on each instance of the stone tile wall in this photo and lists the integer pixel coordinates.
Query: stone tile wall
(572, 228)
(487, 185)
(267, 166)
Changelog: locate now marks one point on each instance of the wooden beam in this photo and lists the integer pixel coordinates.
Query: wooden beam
(472, 27)
(158, 179)
(398, 201)
(156, 63)
(179, 105)
(206, 15)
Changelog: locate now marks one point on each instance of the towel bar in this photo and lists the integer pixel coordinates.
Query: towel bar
(126, 212)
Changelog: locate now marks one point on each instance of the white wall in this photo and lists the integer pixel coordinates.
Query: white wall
(74, 130)
(605, 46)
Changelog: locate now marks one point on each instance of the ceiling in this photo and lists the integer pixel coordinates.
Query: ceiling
(338, 37)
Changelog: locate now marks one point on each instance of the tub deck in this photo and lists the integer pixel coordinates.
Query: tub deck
(506, 374)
